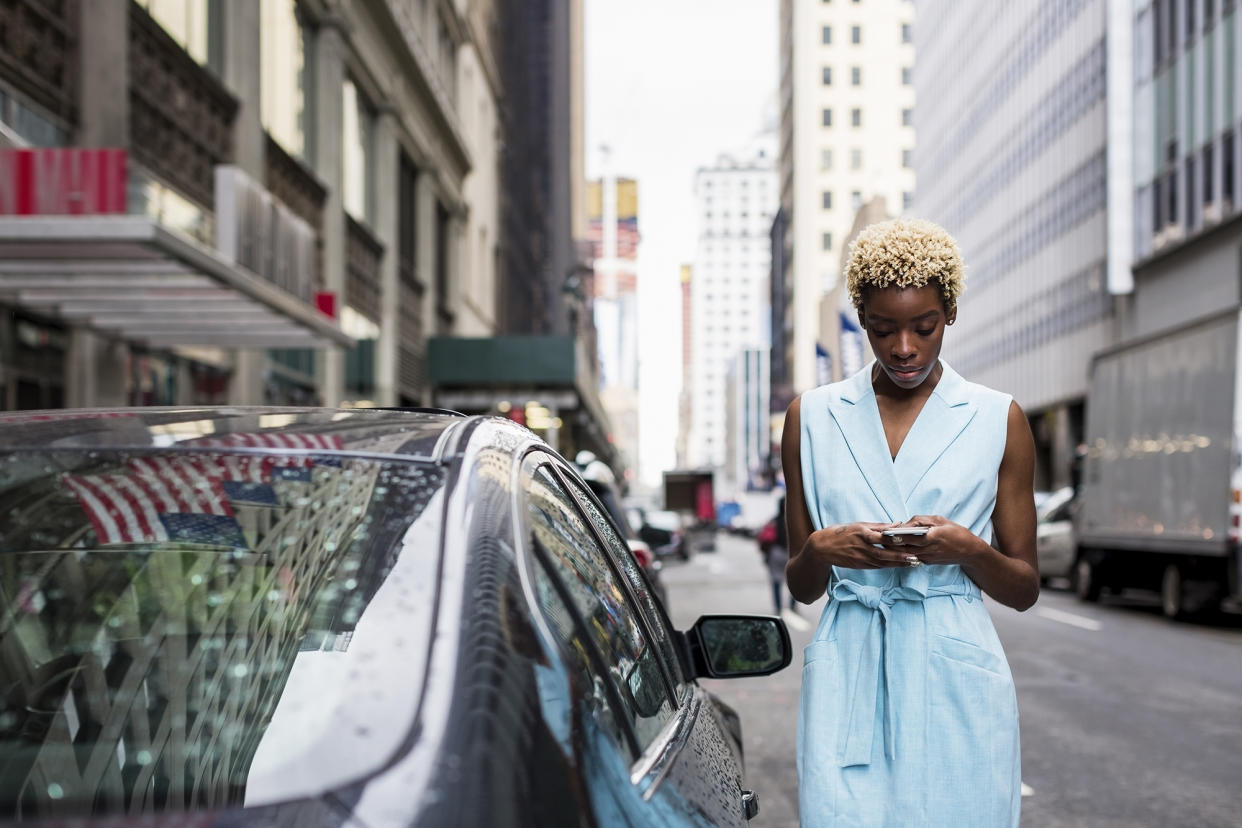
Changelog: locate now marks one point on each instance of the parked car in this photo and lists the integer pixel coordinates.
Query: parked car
(1054, 535)
(602, 481)
(308, 618)
(661, 529)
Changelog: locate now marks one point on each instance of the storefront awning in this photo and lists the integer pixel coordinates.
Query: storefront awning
(131, 278)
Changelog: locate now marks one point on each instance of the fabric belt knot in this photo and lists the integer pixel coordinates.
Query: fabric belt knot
(877, 662)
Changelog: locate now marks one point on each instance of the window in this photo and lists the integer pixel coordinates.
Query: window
(1227, 151)
(589, 582)
(856, 159)
(907, 158)
(907, 35)
(407, 221)
(357, 152)
(827, 76)
(907, 117)
(284, 76)
(856, 76)
(826, 199)
(825, 35)
(856, 117)
(825, 160)
(186, 21)
(906, 76)
(855, 34)
(827, 117)
(826, 241)
(907, 200)
(855, 199)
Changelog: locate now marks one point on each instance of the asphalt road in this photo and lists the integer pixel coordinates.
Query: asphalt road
(1127, 719)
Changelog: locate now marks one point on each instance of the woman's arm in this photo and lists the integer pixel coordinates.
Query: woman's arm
(813, 553)
(1010, 574)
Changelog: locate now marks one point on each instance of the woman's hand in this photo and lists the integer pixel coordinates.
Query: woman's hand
(946, 542)
(854, 546)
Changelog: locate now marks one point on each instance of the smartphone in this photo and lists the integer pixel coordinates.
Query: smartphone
(905, 532)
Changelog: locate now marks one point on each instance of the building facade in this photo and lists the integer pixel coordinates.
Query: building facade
(1013, 160)
(310, 192)
(748, 385)
(847, 136)
(1187, 162)
(612, 227)
(736, 201)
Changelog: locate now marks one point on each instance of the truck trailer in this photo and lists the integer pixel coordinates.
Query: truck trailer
(1160, 499)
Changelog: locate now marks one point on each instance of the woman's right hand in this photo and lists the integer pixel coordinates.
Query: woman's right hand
(854, 546)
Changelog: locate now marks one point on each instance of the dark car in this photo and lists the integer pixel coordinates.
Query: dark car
(309, 618)
(600, 479)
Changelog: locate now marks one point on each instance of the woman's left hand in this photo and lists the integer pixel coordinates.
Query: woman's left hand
(946, 542)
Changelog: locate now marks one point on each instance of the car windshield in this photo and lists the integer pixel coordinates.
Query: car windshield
(196, 630)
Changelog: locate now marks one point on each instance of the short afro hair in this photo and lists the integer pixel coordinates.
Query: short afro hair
(904, 253)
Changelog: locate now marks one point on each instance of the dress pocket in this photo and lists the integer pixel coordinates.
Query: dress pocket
(819, 722)
(963, 652)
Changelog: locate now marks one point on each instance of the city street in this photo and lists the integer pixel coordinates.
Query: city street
(1127, 719)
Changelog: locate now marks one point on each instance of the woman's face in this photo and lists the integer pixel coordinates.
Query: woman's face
(905, 327)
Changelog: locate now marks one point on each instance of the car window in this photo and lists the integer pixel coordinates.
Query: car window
(654, 616)
(207, 618)
(631, 660)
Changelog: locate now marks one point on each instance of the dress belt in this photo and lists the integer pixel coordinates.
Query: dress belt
(876, 653)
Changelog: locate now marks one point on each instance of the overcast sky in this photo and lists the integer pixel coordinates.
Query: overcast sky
(670, 84)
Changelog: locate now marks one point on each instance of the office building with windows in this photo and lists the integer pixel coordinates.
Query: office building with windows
(1016, 139)
(1187, 164)
(285, 197)
(847, 136)
(736, 200)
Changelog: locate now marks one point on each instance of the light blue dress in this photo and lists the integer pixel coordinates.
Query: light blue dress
(908, 714)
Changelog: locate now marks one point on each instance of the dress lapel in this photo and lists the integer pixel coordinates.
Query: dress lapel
(945, 415)
(858, 417)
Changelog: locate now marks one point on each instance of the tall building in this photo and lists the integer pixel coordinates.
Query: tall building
(847, 135)
(1015, 143)
(612, 226)
(280, 194)
(1187, 162)
(746, 453)
(736, 199)
(687, 373)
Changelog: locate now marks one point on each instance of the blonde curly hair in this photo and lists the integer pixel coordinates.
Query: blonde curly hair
(905, 253)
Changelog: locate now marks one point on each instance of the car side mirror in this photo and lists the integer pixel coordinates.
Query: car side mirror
(736, 646)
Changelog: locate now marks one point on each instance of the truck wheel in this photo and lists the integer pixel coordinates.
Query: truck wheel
(1086, 580)
(1186, 600)
(1172, 594)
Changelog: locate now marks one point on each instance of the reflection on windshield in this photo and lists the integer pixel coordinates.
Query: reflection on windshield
(153, 606)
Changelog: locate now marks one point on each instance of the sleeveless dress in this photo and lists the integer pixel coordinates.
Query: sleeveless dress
(908, 715)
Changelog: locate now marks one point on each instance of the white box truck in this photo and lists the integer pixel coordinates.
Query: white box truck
(1160, 500)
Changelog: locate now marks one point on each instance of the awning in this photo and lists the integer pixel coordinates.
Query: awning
(130, 277)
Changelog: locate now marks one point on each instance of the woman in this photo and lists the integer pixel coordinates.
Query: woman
(908, 713)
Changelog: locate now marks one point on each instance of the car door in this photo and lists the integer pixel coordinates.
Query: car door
(679, 764)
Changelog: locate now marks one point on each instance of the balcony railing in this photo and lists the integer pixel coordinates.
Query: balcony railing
(180, 116)
(38, 52)
(363, 253)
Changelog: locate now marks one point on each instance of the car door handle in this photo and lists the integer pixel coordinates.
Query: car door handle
(750, 804)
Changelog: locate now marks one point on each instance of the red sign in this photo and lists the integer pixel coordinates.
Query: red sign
(325, 301)
(62, 182)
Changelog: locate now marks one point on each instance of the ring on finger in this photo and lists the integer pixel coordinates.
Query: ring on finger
(911, 560)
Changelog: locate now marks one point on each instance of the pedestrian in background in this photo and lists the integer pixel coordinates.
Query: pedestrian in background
(774, 546)
(908, 713)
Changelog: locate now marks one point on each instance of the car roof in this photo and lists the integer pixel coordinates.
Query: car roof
(419, 434)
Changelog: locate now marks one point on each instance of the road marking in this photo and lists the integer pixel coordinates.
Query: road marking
(1027, 790)
(1068, 618)
(794, 620)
